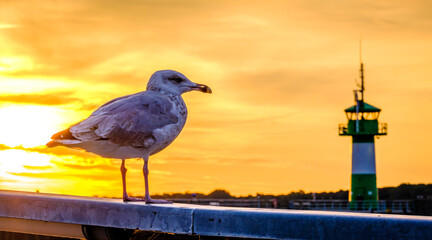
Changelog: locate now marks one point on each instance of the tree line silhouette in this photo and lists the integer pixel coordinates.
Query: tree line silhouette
(404, 191)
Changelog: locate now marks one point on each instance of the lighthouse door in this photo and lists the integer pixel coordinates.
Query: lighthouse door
(359, 193)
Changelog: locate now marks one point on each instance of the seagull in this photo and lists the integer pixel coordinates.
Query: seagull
(134, 126)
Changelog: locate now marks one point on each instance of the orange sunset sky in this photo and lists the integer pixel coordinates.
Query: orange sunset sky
(282, 72)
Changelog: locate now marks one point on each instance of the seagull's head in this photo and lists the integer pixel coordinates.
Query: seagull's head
(175, 82)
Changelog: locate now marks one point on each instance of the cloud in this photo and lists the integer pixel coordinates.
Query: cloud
(57, 98)
(37, 168)
(6, 26)
(125, 42)
(49, 99)
(88, 167)
(67, 159)
(282, 87)
(60, 175)
(5, 147)
(58, 151)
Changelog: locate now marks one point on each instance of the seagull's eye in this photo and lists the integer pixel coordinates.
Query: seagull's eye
(176, 79)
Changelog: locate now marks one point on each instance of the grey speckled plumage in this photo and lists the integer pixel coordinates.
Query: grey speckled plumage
(134, 126)
(129, 126)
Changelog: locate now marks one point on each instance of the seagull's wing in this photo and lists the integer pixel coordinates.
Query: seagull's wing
(128, 120)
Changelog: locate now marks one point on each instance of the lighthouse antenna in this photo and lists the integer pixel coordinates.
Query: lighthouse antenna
(361, 74)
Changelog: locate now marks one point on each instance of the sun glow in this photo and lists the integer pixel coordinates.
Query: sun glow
(30, 125)
(20, 161)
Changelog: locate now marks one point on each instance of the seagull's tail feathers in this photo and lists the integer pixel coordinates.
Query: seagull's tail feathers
(63, 138)
(53, 143)
(63, 142)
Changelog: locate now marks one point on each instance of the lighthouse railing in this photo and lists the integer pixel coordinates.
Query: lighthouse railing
(343, 129)
(383, 206)
(382, 129)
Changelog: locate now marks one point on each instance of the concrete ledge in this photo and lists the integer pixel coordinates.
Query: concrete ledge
(296, 224)
(212, 221)
(96, 212)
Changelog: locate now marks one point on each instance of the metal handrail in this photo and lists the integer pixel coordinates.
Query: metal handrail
(399, 206)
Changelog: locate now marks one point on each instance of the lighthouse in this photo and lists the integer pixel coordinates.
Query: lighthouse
(363, 126)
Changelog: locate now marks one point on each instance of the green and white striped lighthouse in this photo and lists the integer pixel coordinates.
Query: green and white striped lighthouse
(363, 126)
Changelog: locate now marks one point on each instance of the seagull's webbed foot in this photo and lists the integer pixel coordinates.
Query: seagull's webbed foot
(145, 199)
(132, 199)
(150, 201)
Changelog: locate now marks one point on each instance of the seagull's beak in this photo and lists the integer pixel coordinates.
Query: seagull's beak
(201, 87)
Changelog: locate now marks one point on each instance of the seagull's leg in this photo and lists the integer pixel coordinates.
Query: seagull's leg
(146, 182)
(123, 171)
(146, 173)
